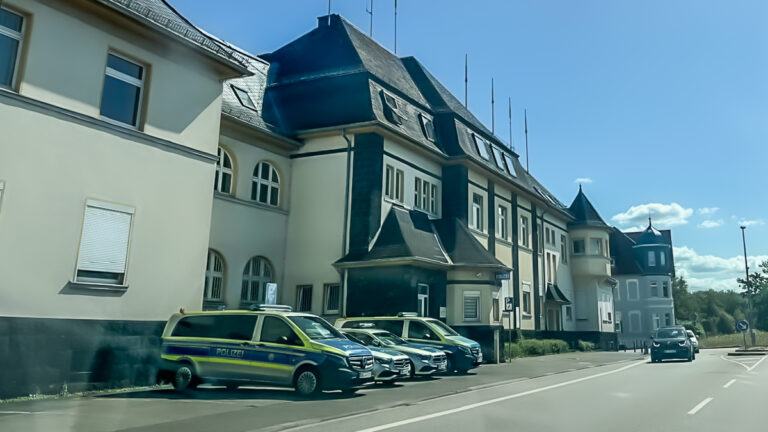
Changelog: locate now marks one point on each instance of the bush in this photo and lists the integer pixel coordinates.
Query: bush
(585, 345)
(534, 347)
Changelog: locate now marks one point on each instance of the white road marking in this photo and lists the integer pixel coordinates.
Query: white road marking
(755, 365)
(729, 383)
(499, 399)
(15, 412)
(734, 361)
(700, 406)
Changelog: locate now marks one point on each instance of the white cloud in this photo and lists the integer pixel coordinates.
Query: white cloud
(663, 215)
(705, 272)
(711, 223)
(707, 210)
(583, 180)
(751, 222)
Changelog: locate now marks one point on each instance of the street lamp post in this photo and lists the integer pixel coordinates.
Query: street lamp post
(746, 283)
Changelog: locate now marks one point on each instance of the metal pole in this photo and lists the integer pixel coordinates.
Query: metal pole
(749, 290)
(466, 79)
(395, 26)
(370, 12)
(493, 112)
(527, 167)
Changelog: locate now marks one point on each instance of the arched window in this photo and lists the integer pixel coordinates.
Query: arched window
(256, 275)
(266, 184)
(214, 277)
(224, 173)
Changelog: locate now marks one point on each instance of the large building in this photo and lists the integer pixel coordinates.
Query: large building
(342, 178)
(644, 266)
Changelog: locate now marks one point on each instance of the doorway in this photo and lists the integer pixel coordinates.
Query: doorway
(422, 298)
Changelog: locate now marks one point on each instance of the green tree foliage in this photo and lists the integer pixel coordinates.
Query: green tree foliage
(756, 290)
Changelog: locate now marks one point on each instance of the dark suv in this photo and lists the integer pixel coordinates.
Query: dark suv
(671, 343)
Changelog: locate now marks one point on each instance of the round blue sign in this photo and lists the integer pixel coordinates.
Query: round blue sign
(742, 326)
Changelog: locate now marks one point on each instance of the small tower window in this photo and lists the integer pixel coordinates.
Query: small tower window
(662, 258)
(651, 259)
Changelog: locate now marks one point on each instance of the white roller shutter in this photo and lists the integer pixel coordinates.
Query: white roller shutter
(104, 241)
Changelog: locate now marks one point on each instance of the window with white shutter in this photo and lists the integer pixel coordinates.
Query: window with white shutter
(104, 243)
(471, 305)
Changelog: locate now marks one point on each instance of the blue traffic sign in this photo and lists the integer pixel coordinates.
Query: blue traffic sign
(742, 326)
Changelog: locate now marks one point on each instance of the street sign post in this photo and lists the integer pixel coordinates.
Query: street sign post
(743, 326)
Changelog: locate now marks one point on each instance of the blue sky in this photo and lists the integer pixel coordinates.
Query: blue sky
(657, 106)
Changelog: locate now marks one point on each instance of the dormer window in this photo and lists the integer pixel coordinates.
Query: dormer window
(427, 127)
(244, 98)
(510, 165)
(392, 108)
(482, 150)
(497, 158)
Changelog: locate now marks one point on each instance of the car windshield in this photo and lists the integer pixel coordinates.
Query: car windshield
(442, 328)
(316, 328)
(390, 339)
(669, 333)
(353, 338)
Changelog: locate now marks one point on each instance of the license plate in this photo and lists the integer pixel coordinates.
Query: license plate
(366, 374)
(442, 366)
(669, 351)
(405, 371)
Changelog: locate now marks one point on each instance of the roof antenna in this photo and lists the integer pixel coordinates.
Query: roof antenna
(329, 13)
(370, 12)
(512, 147)
(527, 166)
(466, 80)
(493, 112)
(395, 26)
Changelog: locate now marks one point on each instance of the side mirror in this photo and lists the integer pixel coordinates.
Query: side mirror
(427, 336)
(376, 343)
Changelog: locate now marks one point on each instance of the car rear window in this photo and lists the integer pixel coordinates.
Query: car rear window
(238, 327)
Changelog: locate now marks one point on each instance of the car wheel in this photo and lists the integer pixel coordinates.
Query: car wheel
(307, 383)
(413, 369)
(449, 365)
(184, 378)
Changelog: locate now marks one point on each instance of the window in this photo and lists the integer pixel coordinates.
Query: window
(510, 165)
(265, 187)
(482, 150)
(496, 309)
(393, 183)
(214, 277)
(568, 313)
(651, 259)
(563, 249)
(668, 319)
(497, 157)
(104, 243)
(656, 320)
(524, 231)
(578, 247)
(665, 288)
(275, 330)
(662, 258)
(595, 246)
(477, 212)
(501, 225)
(419, 330)
(527, 301)
(237, 327)
(552, 268)
(121, 95)
(11, 28)
(471, 305)
(331, 298)
(427, 127)
(433, 199)
(425, 195)
(256, 275)
(244, 98)
(618, 322)
(303, 298)
(635, 322)
(391, 108)
(654, 289)
(633, 292)
(224, 172)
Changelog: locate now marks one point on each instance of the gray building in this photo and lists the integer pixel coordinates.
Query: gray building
(643, 264)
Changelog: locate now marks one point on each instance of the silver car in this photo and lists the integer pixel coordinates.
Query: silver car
(389, 365)
(424, 360)
(694, 341)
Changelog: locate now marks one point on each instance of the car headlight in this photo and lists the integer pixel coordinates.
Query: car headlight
(425, 358)
(683, 343)
(656, 344)
(380, 360)
(465, 349)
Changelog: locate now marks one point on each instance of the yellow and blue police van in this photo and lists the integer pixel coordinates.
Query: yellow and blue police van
(268, 345)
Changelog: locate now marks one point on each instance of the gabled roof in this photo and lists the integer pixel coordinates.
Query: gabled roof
(462, 247)
(161, 16)
(584, 213)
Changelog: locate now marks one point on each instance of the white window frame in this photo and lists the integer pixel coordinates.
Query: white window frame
(477, 212)
(481, 148)
(427, 127)
(212, 274)
(524, 235)
(394, 181)
(425, 195)
(248, 102)
(501, 222)
(583, 242)
(300, 290)
(651, 259)
(563, 249)
(662, 258)
(568, 313)
(221, 170)
(478, 308)
(18, 36)
(108, 71)
(653, 286)
(665, 291)
(257, 181)
(260, 277)
(636, 284)
(655, 320)
(326, 296)
(526, 289)
(633, 329)
(111, 207)
(595, 242)
(618, 322)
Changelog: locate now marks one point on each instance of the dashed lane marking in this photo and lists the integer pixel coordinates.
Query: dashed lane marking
(728, 384)
(700, 406)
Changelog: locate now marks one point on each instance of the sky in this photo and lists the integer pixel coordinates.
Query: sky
(654, 107)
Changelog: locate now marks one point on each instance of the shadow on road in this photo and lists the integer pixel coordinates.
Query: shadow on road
(221, 393)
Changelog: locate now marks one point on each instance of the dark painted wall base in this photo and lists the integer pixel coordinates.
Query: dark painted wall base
(42, 355)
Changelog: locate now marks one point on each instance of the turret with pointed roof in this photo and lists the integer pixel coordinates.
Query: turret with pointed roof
(584, 213)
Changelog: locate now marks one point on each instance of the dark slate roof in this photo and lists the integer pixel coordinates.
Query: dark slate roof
(584, 213)
(650, 235)
(161, 16)
(411, 236)
(555, 295)
(623, 255)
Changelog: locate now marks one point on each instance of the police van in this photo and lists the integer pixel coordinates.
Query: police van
(270, 345)
(463, 354)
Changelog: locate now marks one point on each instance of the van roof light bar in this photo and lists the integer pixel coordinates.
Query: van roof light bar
(271, 307)
(407, 314)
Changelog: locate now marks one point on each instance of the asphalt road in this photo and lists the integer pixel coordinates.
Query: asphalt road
(575, 391)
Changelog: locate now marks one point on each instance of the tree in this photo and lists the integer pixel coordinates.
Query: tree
(754, 290)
